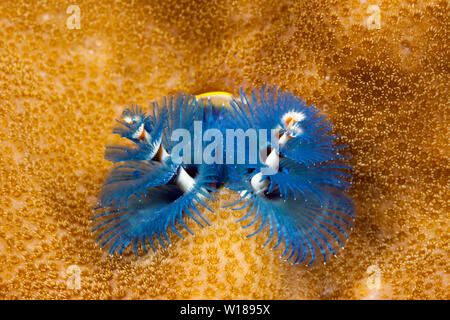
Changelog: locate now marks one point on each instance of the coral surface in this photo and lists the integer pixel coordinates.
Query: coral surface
(383, 83)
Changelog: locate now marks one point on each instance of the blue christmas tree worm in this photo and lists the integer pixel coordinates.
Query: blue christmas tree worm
(296, 190)
(300, 191)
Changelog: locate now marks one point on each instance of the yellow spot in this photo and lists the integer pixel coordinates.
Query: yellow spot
(218, 98)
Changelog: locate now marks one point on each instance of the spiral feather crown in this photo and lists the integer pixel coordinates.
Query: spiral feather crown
(291, 174)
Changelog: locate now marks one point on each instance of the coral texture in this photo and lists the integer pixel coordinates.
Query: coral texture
(383, 86)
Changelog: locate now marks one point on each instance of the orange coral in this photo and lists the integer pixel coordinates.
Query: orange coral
(385, 90)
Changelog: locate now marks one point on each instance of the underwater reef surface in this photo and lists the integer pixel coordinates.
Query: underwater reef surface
(383, 83)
